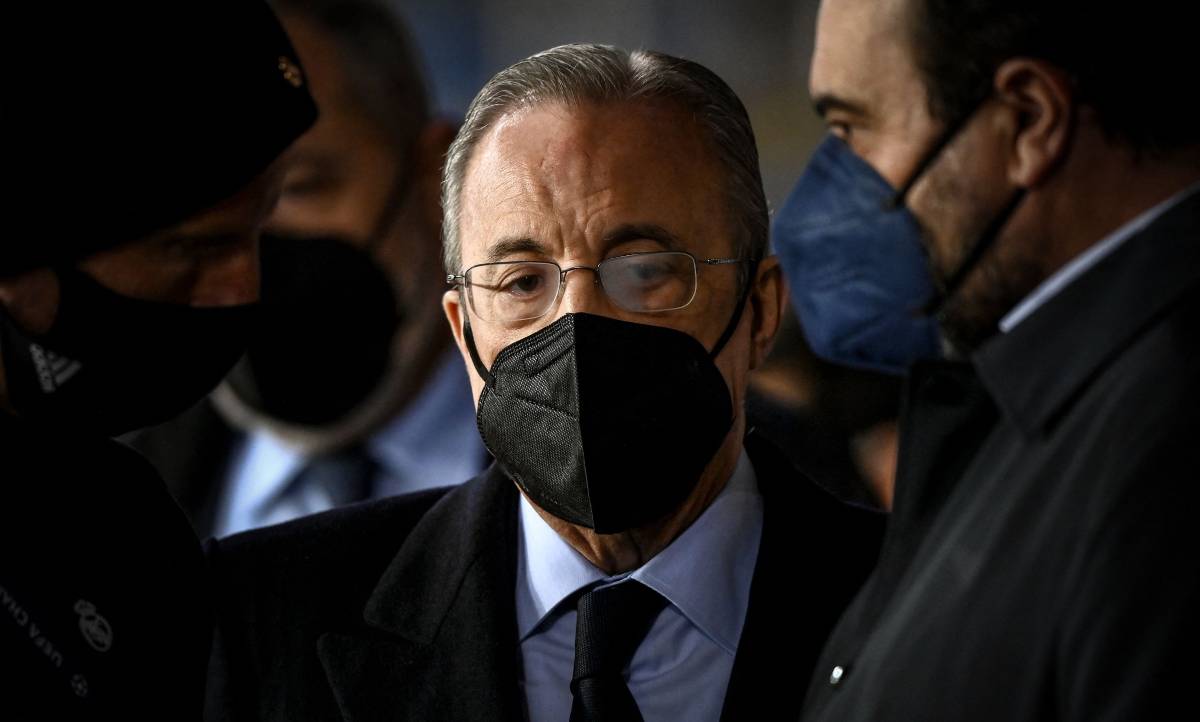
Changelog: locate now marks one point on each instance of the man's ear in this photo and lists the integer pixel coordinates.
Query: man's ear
(767, 299)
(456, 316)
(452, 306)
(1040, 97)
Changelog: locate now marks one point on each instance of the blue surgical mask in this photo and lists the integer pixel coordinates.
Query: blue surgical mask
(855, 265)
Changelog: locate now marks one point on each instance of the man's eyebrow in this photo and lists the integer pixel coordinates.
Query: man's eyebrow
(505, 247)
(826, 102)
(641, 232)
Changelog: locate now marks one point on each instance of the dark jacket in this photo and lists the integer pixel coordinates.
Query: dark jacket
(193, 452)
(405, 608)
(104, 608)
(1042, 562)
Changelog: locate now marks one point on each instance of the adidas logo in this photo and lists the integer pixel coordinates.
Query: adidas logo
(53, 370)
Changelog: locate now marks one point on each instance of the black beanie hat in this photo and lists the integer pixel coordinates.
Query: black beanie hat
(131, 117)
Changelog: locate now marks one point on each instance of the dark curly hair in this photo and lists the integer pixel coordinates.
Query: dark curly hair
(1135, 63)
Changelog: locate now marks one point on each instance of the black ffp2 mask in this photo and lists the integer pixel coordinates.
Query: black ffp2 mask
(605, 423)
(322, 341)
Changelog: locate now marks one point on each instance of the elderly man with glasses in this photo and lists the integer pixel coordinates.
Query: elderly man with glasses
(635, 552)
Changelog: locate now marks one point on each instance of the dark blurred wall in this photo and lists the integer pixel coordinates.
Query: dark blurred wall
(760, 47)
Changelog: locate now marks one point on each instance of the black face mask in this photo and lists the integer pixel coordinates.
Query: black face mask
(111, 364)
(604, 423)
(324, 335)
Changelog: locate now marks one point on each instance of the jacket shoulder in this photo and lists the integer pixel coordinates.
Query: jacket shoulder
(314, 571)
(280, 589)
(816, 516)
(362, 536)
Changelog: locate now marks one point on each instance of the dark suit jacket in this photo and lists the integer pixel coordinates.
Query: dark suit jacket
(1042, 561)
(192, 452)
(104, 610)
(405, 608)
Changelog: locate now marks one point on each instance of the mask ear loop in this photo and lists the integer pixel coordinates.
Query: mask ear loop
(978, 250)
(952, 130)
(731, 327)
(469, 338)
(985, 241)
(974, 255)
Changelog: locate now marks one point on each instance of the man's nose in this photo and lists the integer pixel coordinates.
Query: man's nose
(582, 293)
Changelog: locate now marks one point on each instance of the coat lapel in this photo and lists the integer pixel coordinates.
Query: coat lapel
(814, 555)
(440, 638)
(190, 452)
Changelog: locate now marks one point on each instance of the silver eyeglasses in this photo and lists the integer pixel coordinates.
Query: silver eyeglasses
(511, 291)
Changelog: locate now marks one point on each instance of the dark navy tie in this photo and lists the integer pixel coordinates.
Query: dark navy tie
(342, 477)
(612, 622)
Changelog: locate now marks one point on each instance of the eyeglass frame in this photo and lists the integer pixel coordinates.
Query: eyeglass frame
(459, 279)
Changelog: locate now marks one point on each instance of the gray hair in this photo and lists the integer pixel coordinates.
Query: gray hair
(575, 74)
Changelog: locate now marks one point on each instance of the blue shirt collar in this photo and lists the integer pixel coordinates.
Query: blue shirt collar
(705, 572)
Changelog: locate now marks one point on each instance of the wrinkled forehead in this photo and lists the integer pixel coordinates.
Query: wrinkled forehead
(566, 172)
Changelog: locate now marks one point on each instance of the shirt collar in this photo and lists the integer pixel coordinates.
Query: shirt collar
(705, 572)
(1089, 258)
(266, 463)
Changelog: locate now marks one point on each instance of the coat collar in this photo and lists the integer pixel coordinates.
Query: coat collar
(449, 589)
(1035, 370)
(816, 551)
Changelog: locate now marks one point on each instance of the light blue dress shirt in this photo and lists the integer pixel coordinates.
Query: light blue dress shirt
(1085, 261)
(433, 442)
(681, 670)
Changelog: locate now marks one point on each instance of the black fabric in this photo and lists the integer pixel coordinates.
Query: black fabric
(1041, 561)
(136, 116)
(813, 444)
(104, 605)
(327, 311)
(605, 423)
(405, 608)
(193, 452)
(110, 363)
(610, 624)
(814, 555)
(402, 608)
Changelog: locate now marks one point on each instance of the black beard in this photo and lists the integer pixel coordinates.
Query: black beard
(1005, 274)
(972, 315)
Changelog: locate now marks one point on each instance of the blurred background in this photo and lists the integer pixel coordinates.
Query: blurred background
(760, 47)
